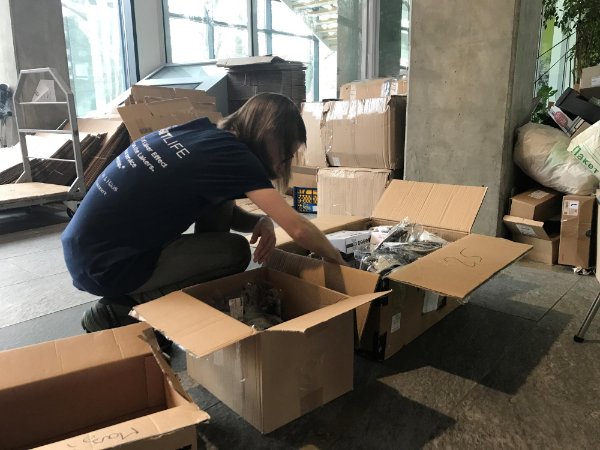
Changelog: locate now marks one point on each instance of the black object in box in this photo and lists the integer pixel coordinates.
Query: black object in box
(579, 105)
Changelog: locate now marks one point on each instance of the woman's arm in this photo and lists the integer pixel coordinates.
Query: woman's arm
(299, 228)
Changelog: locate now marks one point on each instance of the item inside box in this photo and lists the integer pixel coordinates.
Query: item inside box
(258, 305)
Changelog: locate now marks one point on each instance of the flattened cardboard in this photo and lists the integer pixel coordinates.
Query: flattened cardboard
(58, 395)
(526, 227)
(460, 267)
(345, 191)
(443, 206)
(544, 250)
(143, 118)
(538, 204)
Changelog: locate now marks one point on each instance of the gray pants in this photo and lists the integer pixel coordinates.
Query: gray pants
(211, 252)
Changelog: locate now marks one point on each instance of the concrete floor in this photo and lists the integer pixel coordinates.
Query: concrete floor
(501, 372)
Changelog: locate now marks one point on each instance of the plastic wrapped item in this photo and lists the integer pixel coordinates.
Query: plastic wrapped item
(541, 152)
(258, 306)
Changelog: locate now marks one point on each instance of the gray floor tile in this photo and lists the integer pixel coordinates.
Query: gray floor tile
(39, 297)
(12, 274)
(27, 242)
(525, 290)
(43, 263)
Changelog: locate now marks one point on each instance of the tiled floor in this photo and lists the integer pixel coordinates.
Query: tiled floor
(500, 372)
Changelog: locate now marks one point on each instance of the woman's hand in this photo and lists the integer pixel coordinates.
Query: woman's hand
(264, 233)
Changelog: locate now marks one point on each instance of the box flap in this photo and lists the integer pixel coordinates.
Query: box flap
(140, 93)
(462, 266)
(306, 321)
(445, 206)
(191, 323)
(245, 61)
(526, 227)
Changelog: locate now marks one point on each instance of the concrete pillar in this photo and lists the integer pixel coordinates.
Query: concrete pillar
(349, 41)
(33, 37)
(472, 70)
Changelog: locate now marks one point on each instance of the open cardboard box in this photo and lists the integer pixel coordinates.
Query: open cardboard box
(96, 391)
(428, 289)
(268, 377)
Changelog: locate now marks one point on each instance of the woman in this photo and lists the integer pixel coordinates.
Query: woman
(125, 242)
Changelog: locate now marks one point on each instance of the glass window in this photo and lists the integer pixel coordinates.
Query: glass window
(230, 42)
(189, 42)
(284, 19)
(94, 52)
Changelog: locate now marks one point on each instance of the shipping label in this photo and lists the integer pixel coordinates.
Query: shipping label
(525, 229)
(571, 208)
(396, 322)
(538, 194)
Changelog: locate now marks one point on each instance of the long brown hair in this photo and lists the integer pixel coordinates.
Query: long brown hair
(269, 115)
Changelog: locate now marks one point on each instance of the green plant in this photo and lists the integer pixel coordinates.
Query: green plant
(581, 18)
(540, 113)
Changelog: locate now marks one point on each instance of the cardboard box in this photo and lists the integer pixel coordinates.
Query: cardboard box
(268, 377)
(303, 177)
(144, 118)
(380, 87)
(347, 241)
(568, 125)
(101, 390)
(589, 85)
(538, 204)
(346, 191)
(452, 272)
(365, 133)
(578, 106)
(544, 250)
(576, 231)
(532, 228)
(313, 154)
(148, 94)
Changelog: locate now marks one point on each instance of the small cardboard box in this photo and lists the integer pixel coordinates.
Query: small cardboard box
(102, 390)
(380, 87)
(576, 231)
(347, 241)
(544, 250)
(313, 154)
(303, 177)
(365, 133)
(532, 228)
(347, 191)
(143, 118)
(268, 377)
(538, 204)
(452, 272)
(589, 85)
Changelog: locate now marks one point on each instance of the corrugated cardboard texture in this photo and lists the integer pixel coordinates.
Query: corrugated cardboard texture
(536, 204)
(366, 133)
(443, 206)
(526, 227)
(576, 231)
(345, 191)
(380, 87)
(141, 94)
(58, 390)
(303, 177)
(313, 154)
(462, 266)
(544, 250)
(143, 118)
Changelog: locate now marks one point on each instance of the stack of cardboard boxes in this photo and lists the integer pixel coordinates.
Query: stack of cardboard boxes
(362, 137)
(560, 228)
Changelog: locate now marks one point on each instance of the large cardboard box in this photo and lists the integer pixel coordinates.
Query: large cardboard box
(576, 231)
(313, 154)
(543, 250)
(347, 191)
(148, 94)
(589, 86)
(303, 177)
(379, 87)
(445, 277)
(365, 133)
(268, 377)
(102, 390)
(538, 204)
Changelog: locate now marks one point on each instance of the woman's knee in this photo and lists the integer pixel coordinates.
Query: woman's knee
(238, 247)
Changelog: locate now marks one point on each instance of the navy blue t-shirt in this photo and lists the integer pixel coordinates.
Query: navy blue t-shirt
(148, 196)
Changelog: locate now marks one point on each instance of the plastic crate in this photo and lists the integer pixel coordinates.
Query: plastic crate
(305, 199)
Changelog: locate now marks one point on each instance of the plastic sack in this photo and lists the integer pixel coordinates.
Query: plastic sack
(541, 152)
(585, 147)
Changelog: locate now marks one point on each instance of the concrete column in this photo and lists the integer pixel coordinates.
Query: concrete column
(33, 37)
(349, 41)
(472, 70)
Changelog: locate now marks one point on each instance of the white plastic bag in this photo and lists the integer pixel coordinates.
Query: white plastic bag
(586, 148)
(541, 152)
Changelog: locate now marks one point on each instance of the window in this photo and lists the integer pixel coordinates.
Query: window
(94, 37)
